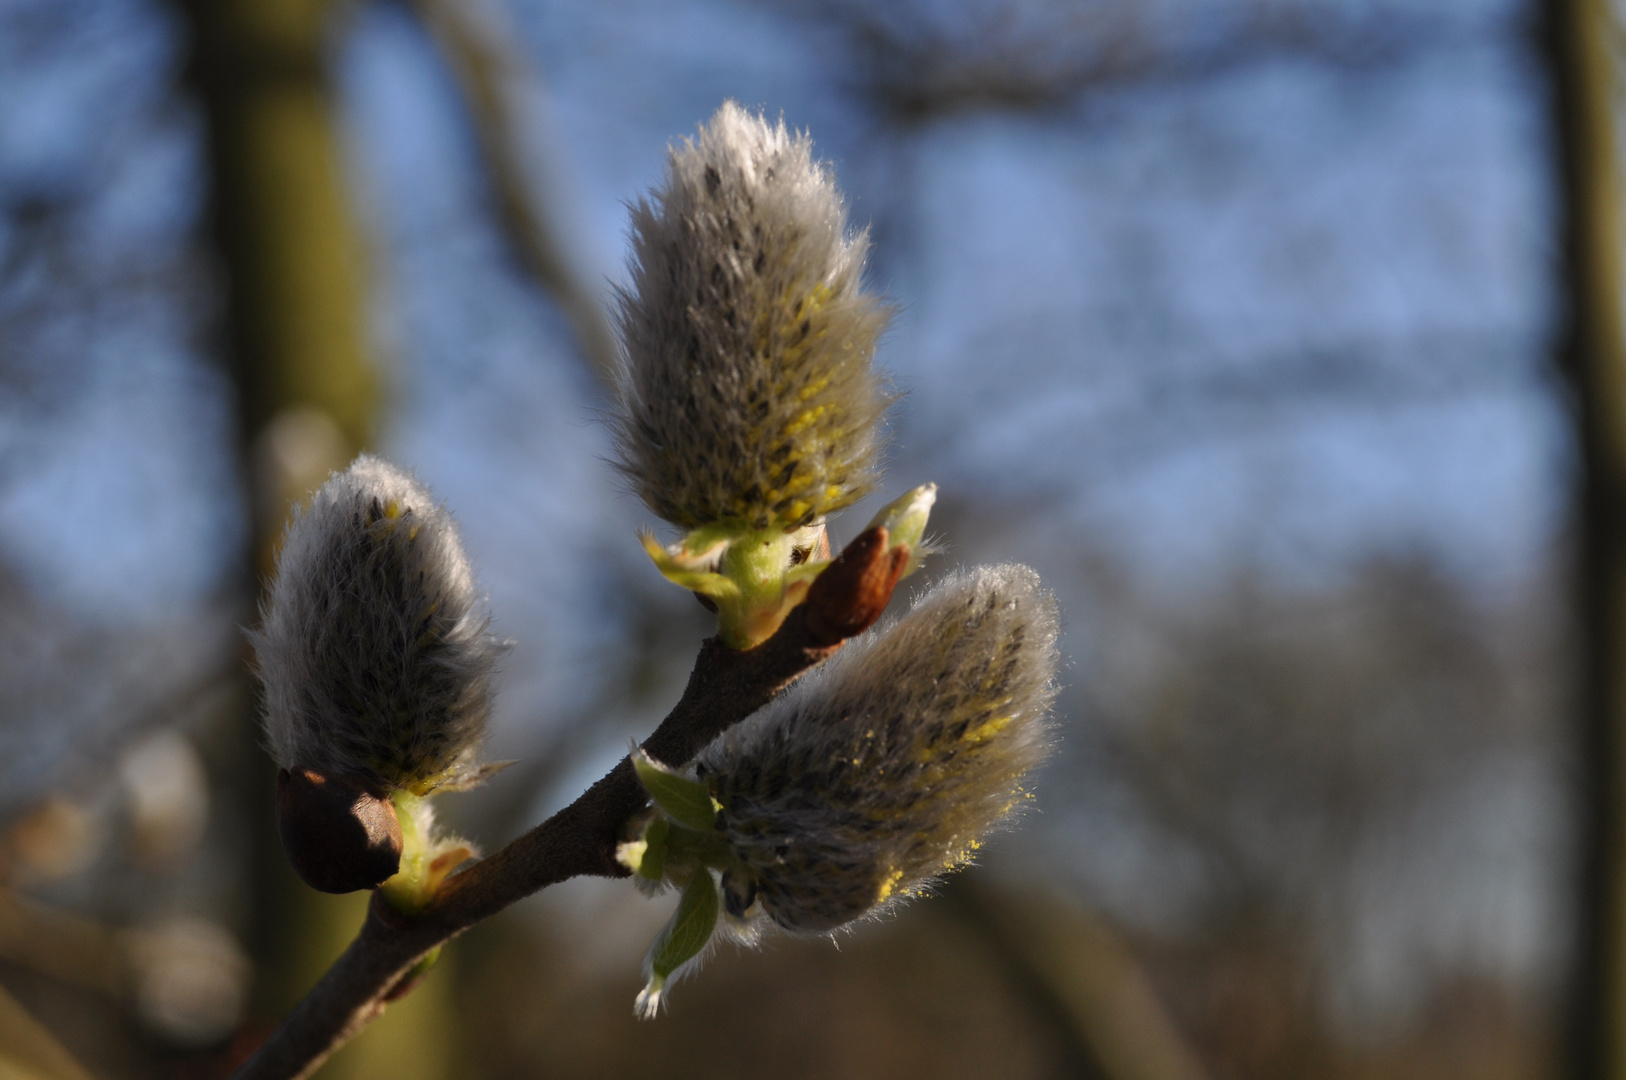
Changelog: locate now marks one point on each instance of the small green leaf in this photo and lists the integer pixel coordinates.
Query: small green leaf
(684, 938)
(706, 544)
(687, 802)
(683, 571)
(647, 853)
(653, 864)
(690, 929)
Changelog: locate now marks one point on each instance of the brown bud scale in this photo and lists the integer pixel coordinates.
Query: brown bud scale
(853, 591)
(340, 836)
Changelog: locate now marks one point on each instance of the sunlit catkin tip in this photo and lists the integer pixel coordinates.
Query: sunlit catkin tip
(883, 770)
(373, 645)
(748, 394)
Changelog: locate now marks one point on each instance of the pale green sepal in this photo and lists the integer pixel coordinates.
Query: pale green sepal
(408, 890)
(687, 802)
(646, 856)
(703, 547)
(426, 858)
(687, 572)
(471, 778)
(684, 938)
(760, 566)
(689, 847)
(905, 522)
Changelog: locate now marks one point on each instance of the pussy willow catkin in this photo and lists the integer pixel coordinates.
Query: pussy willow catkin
(748, 393)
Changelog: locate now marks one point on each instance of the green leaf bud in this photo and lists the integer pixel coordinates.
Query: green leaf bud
(905, 523)
(687, 802)
(645, 855)
(750, 579)
(427, 855)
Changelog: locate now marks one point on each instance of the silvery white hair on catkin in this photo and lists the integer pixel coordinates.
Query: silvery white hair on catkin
(748, 392)
(881, 770)
(373, 646)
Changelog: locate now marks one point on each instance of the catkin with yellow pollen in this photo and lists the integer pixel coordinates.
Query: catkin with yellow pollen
(884, 769)
(863, 783)
(748, 393)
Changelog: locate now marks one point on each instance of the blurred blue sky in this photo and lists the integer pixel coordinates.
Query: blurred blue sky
(1284, 311)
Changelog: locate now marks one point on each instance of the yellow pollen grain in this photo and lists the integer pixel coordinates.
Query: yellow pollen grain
(988, 730)
(806, 419)
(392, 510)
(888, 885)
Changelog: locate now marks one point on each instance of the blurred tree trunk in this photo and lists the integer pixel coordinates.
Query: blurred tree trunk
(296, 301)
(309, 394)
(1581, 33)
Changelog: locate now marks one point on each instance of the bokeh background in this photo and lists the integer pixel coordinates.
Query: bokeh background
(1234, 318)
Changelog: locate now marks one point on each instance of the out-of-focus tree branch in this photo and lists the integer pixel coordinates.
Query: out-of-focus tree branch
(29, 1050)
(492, 76)
(1593, 354)
(1090, 978)
(67, 947)
(919, 61)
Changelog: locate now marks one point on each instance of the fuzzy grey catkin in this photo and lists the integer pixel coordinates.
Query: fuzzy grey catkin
(748, 393)
(882, 770)
(373, 646)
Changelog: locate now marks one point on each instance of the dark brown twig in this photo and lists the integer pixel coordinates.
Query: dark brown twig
(724, 688)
